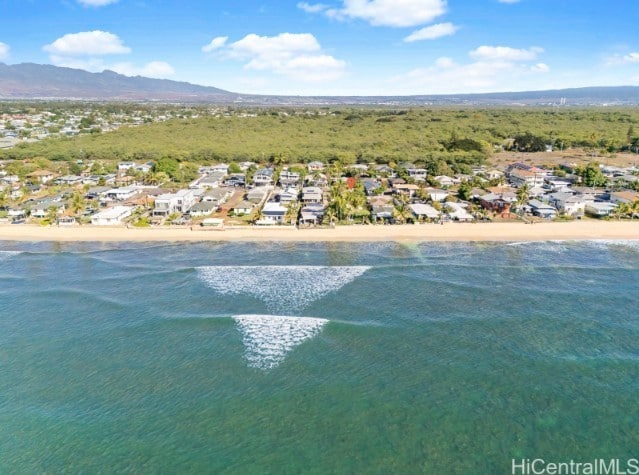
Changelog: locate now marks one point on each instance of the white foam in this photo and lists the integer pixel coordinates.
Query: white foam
(268, 338)
(284, 289)
(8, 254)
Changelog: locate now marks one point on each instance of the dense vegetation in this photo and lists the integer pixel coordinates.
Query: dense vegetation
(453, 137)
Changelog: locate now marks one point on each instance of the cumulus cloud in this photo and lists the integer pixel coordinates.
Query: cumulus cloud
(432, 32)
(4, 50)
(96, 3)
(216, 43)
(505, 53)
(298, 56)
(395, 13)
(493, 69)
(154, 69)
(87, 43)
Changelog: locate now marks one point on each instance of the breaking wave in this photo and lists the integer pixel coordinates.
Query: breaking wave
(268, 338)
(8, 254)
(281, 288)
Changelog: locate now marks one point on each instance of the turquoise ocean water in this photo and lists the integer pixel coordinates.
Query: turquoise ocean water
(316, 358)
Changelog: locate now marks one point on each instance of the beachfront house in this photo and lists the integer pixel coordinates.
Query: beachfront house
(459, 212)
(170, 203)
(600, 209)
(541, 209)
(120, 194)
(273, 213)
(203, 208)
(243, 208)
(111, 216)
(424, 212)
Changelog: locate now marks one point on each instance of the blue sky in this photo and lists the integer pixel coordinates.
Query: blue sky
(329, 47)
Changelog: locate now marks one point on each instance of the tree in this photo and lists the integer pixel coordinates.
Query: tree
(465, 191)
(528, 142)
(234, 168)
(591, 175)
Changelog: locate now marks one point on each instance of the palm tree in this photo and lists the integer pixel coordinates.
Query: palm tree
(523, 195)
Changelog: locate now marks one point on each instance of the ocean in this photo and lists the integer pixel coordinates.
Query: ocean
(316, 357)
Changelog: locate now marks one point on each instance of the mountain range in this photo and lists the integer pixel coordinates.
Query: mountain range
(40, 81)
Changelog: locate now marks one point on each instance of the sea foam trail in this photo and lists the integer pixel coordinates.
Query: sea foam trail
(268, 338)
(282, 288)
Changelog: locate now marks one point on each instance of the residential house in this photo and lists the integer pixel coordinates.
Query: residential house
(312, 194)
(111, 216)
(178, 202)
(120, 194)
(417, 174)
(424, 211)
(245, 207)
(258, 195)
(541, 209)
(289, 178)
(406, 189)
(42, 176)
(437, 195)
(273, 212)
(289, 195)
(600, 209)
(444, 180)
(623, 196)
(218, 196)
(312, 214)
(203, 208)
(263, 177)
(530, 178)
(459, 212)
(237, 179)
(41, 210)
(315, 166)
(125, 166)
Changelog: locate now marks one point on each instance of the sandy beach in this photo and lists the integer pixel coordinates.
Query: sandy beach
(575, 230)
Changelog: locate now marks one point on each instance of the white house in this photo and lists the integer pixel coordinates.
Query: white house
(121, 194)
(273, 212)
(169, 203)
(424, 211)
(111, 216)
(417, 174)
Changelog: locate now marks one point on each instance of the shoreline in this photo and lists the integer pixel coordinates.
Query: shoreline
(516, 231)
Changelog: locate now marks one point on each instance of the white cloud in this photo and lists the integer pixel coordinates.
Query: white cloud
(298, 56)
(506, 53)
(96, 3)
(631, 58)
(154, 69)
(216, 43)
(395, 13)
(493, 69)
(87, 43)
(508, 1)
(540, 68)
(4, 50)
(315, 8)
(432, 32)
